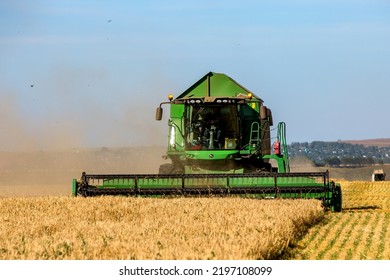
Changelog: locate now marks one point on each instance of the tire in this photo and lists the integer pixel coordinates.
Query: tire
(337, 199)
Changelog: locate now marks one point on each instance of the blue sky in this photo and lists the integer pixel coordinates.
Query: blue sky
(91, 73)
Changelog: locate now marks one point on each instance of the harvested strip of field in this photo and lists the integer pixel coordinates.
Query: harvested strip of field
(360, 232)
(151, 228)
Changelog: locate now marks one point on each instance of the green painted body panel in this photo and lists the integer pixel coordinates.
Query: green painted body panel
(211, 170)
(176, 123)
(254, 182)
(74, 187)
(212, 155)
(289, 185)
(216, 85)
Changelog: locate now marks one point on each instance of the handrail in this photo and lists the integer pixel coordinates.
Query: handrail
(282, 139)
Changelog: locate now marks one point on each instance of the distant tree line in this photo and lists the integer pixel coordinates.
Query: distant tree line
(339, 153)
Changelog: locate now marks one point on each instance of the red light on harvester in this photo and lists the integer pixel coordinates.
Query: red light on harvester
(277, 147)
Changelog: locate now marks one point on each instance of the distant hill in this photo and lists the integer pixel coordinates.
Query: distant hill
(380, 142)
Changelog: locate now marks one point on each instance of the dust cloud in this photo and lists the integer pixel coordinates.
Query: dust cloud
(39, 173)
(302, 164)
(51, 133)
(79, 107)
(43, 158)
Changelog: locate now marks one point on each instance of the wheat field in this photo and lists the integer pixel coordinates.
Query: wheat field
(151, 228)
(360, 232)
(64, 227)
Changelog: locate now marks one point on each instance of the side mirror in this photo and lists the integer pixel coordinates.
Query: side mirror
(159, 113)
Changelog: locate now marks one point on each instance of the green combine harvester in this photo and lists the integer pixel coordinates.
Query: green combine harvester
(219, 143)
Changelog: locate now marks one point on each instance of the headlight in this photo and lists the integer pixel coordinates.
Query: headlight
(172, 137)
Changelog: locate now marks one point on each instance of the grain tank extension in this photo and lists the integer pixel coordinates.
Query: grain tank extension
(219, 143)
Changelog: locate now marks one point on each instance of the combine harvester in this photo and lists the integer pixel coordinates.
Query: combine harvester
(219, 143)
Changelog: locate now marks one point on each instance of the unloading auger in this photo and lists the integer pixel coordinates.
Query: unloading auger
(219, 143)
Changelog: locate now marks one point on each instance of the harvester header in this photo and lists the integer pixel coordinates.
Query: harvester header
(219, 142)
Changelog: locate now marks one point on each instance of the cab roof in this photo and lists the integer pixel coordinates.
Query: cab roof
(216, 85)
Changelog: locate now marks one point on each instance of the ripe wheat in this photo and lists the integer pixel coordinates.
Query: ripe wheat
(151, 228)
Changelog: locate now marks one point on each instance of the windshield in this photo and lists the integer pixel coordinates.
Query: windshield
(212, 127)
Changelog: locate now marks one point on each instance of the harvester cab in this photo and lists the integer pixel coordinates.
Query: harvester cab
(217, 126)
(219, 143)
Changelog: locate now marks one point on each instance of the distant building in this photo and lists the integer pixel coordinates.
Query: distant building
(378, 175)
